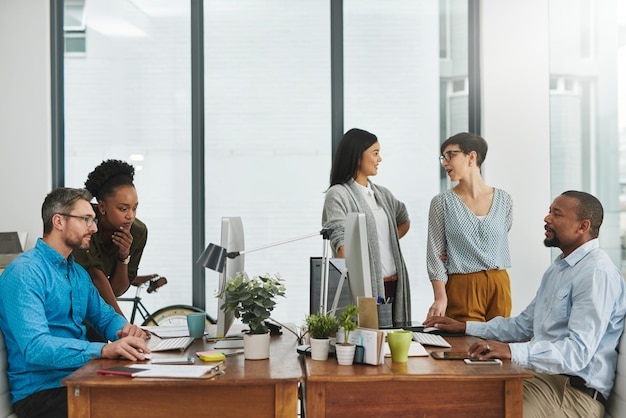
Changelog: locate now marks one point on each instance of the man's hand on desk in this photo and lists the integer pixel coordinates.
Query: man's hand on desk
(481, 349)
(446, 324)
(131, 348)
(131, 330)
(484, 350)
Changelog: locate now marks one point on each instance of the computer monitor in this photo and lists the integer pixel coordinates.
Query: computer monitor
(232, 240)
(334, 280)
(357, 256)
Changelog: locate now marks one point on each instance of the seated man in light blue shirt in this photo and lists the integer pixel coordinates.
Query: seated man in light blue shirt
(45, 298)
(569, 333)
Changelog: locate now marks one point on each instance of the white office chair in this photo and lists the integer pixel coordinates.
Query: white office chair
(5, 397)
(616, 404)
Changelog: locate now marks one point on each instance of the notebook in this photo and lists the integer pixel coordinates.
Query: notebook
(415, 350)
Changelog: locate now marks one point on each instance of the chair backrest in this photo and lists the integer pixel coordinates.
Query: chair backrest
(616, 404)
(5, 396)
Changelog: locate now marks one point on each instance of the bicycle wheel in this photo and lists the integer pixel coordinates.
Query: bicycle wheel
(174, 315)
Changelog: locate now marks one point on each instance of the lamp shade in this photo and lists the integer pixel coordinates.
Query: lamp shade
(213, 257)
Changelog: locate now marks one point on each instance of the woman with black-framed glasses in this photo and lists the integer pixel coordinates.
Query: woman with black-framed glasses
(468, 248)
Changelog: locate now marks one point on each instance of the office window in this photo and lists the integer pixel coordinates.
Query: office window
(75, 44)
(444, 29)
(74, 28)
(587, 28)
(393, 75)
(268, 137)
(586, 68)
(129, 99)
(74, 15)
(267, 121)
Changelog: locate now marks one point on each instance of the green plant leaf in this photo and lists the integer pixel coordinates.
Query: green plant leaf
(252, 300)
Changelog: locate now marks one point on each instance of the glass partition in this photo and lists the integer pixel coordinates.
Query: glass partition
(267, 120)
(586, 67)
(127, 97)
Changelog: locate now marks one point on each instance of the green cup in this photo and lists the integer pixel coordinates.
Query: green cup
(399, 343)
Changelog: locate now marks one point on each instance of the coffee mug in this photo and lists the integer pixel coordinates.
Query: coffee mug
(399, 344)
(195, 324)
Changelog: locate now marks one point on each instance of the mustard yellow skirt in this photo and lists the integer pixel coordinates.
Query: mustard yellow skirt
(479, 296)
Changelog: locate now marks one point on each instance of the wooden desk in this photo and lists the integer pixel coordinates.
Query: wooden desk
(422, 387)
(250, 388)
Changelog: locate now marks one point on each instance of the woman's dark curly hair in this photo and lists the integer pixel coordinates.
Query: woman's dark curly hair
(108, 176)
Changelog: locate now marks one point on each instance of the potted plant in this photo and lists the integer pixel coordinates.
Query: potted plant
(347, 321)
(320, 327)
(252, 300)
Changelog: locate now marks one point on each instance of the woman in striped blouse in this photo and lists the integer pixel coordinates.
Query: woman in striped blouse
(468, 248)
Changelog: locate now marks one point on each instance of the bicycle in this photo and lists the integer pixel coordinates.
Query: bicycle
(169, 315)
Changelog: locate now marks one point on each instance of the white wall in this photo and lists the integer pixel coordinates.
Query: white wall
(515, 122)
(25, 167)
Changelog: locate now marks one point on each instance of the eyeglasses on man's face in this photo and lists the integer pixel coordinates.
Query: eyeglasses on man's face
(89, 220)
(448, 155)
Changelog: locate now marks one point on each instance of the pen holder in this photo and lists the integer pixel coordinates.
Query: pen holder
(385, 313)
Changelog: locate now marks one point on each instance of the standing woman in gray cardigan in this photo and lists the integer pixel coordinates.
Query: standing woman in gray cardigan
(387, 219)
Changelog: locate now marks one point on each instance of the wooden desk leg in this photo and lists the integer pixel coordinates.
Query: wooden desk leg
(78, 400)
(315, 399)
(286, 400)
(513, 398)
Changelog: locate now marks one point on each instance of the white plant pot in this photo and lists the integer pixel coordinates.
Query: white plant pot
(256, 346)
(319, 348)
(345, 354)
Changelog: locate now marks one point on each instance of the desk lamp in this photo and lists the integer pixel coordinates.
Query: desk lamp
(214, 258)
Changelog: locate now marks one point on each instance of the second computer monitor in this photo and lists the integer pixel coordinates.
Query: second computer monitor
(232, 240)
(334, 280)
(357, 256)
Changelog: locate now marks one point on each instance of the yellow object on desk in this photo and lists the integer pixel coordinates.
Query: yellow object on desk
(212, 355)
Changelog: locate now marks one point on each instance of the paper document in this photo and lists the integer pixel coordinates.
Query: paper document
(167, 331)
(371, 340)
(177, 371)
(415, 350)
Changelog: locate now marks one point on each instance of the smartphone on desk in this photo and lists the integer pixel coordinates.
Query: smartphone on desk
(449, 355)
(488, 361)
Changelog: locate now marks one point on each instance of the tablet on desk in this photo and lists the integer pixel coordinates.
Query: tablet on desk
(228, 343)
(449, 355)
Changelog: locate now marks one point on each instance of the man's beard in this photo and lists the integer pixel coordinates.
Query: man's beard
(77, 242)
(554, 242)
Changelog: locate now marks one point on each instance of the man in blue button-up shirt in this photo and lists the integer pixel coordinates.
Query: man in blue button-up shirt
(569, 333)
(45, 299)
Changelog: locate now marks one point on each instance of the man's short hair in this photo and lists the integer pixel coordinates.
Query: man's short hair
(61, 200)
(589, 207)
